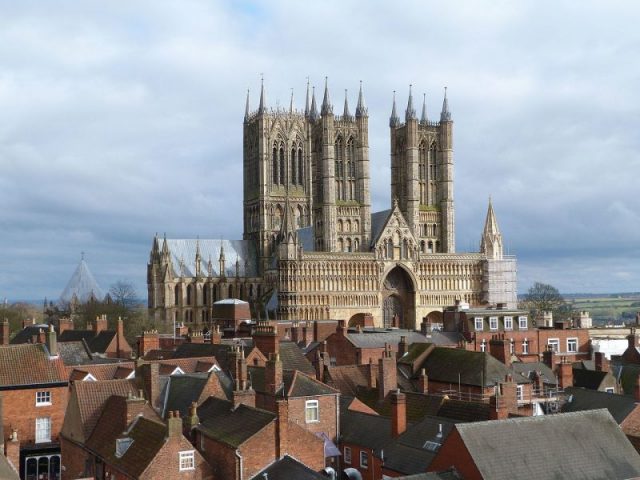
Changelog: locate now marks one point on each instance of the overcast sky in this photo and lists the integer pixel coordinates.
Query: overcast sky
(122, 119)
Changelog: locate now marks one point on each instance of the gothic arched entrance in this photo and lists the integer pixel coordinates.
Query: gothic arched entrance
(398, 300)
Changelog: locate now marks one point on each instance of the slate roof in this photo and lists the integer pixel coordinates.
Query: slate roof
(628, 377)
(591, 379)
(76, 336)
(183, 256)
(370, 431)
(449, 474)
(410, 452)
(347, 378)
(292, 358)
(579, 399)
(296, 383)
(527, 370)
(183, 390)
(219, 351)
(370, 338)
(97, 343)
(74, 353)
(27, 333)
(581, 445)
(29, 364)
(452, 365)
(464, 411)
(288, 468)
(418, 404)
(219, 421)
(378, 221)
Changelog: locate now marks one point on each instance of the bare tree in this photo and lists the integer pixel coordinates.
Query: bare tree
(123, 294)
(543, 297)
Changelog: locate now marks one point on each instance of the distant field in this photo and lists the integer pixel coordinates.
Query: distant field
(620, 308)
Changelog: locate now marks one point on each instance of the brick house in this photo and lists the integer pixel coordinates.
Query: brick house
(586, 444)
(480, 325)
(33, 397)
(239, 441)
(101, 340)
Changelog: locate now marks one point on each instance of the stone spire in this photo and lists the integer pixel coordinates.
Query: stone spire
(287, 225)
(445, 115)
(423, 118)
(327, 108)
(306, 103)
(346, 112)
(313, 114)
(291, 102)
(221, 260)
(410, 113)
(261, 106)
(246, 108)
(394, 121)
(198, 258)
(361, 109)
(491, 243)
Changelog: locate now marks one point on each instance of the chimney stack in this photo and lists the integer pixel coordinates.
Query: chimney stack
(398, 413)
(216, 335)
(4, 332)
(52, 342)
(273, 373)
(282, 431)
(371, 375)
(100, 325)
(265, 338)
(387, 375)
(565, 374)
(548, 358)
(601, 362)
(423, 382)
(402, 346)
(174, 424)
(192, 420)
(500, 349)
(65, 324)
(147, 377)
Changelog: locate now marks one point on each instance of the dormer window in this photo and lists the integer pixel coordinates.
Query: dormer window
(493, 323)
(478, 324)
(122, 445)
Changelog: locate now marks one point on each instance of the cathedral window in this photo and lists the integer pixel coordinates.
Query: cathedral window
(274, 165)
(300, 167)
(277, 218)
(340, 245)
(177, 295)
(351, 170)
(339, 225)
(356, 245)
(294, 166)
(349, 247)
(281, 165)
(205, 295)
(339, 173)
(422, 172)
(189, 294)
(299, 217)
(348, 226)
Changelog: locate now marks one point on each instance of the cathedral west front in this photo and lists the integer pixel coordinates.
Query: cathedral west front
(312, 249)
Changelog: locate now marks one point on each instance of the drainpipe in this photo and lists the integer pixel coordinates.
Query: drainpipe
(239, 458)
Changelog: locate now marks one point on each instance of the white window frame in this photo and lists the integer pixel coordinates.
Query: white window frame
(553, 341)
(347, 455)
(364, 459)
(187, 460)
(493, 323)
(43, 398)
(309, 407)
(523, 322)
(508, 323)
(483, 346)
(520, 392)
(609, 390)
(43, 429)
(574, 341)
(478, 323)
(525, 347)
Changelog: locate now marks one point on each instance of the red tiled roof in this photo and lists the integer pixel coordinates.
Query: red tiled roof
(93, 395)
(347, 378)
(102, 371)
(29, 364)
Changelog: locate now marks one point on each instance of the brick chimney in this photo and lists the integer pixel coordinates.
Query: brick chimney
(149, 340)
(504, 401)
(216, 335)
(65, 324)
(601, 362)
(387, 375)
(398, 413)
(565, 374)
(282, 430)
(265, 338)
(305, 334)
(273, 373)
(402, 346)
(632, 338)
(27, 322)
(52, 342)
(120, 340)
(548, 358)
(340, 329)
(147, 377)
(133, 407)
(174, 424)
(4, 332)
(100, 325)
(423, 382)
(196, 337)
(500, 349)
(371, 375)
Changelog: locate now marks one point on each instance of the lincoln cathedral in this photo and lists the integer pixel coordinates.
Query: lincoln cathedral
(312, 248)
